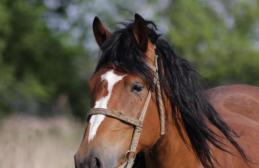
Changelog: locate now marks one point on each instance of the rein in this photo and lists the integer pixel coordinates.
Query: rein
(137, 123)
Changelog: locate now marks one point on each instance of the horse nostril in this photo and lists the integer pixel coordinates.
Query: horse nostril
(98, 163)
(95, 162)
(92, 161)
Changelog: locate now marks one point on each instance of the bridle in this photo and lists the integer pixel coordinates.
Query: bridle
(137, 123)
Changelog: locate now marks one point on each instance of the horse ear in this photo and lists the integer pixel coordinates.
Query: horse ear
(101, 33)
(140, 31)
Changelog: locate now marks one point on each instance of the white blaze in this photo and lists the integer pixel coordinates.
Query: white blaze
(96, 120)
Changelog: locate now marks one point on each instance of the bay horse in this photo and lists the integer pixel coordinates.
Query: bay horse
(149, 109)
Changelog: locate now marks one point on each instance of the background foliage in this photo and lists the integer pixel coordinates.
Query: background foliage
(47, 50)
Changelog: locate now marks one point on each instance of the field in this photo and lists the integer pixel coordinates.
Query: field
(31, 142)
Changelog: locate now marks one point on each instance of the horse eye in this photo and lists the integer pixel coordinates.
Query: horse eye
(137, 87)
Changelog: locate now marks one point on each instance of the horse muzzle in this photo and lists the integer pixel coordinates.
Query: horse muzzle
(91, 161)
(96, 160)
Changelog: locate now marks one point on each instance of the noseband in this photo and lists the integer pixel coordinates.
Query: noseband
(137, 123)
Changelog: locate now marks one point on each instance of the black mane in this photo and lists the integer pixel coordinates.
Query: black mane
(182, 85)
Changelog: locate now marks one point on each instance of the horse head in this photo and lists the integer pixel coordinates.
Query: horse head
(120, 98)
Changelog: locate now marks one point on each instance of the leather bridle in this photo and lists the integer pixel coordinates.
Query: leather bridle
(137, 123)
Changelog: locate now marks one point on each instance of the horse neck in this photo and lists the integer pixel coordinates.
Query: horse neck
(171, 151)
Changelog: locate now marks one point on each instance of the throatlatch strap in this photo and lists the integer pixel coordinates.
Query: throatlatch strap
(160, 100)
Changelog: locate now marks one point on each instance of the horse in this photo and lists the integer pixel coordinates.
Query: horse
(149, 108)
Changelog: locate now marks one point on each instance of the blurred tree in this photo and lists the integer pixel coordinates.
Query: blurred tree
(36, 67)
(218, 37)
